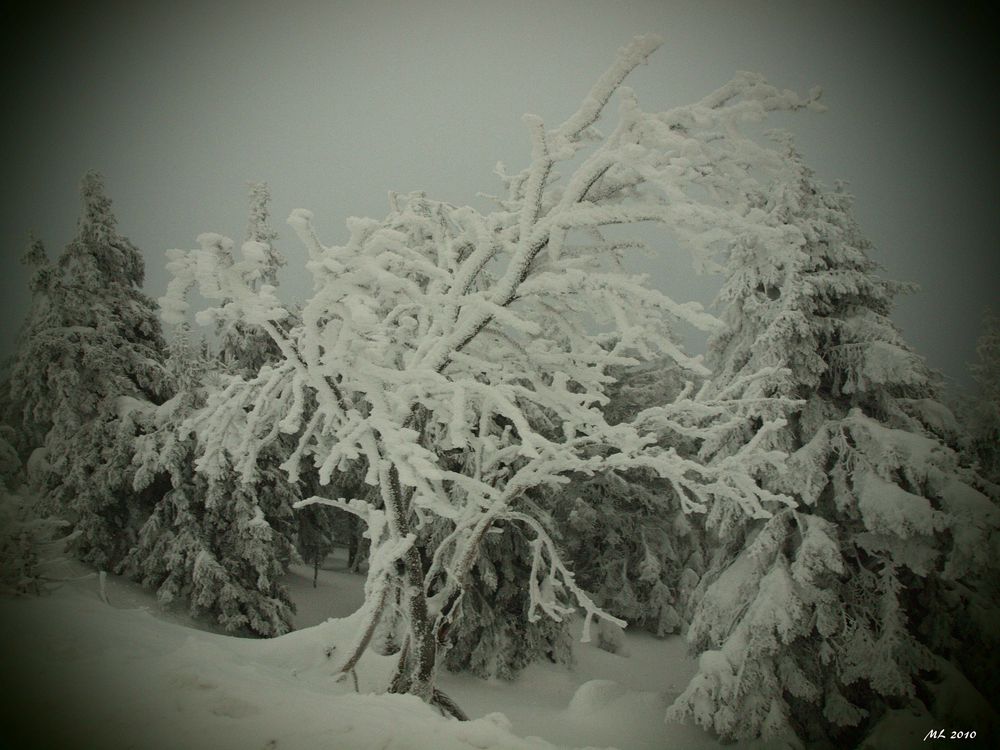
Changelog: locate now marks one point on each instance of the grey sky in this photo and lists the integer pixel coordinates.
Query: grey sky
(336, 103)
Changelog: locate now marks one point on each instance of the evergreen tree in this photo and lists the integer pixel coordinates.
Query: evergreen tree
(245, 347)
(316, 538)
(10, 464)
(495, 634)
(24, 527)
(321, 529)
(639, 561)
(218, 538)
(849, 594)
(207, 541)
(88, 365)
(23, 408)
(984, 411)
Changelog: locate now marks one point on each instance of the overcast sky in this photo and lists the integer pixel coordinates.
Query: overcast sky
(336, 103)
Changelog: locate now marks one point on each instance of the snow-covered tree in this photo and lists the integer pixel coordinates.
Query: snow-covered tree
(321, 528)
(443, 329)
(631, 545)
(984, 410)
(29, 413)
(817, 619)
(24, 527)
(214, 541)
(496, 636)
(245, 348)
(317, 537)
(88, 363)
(10, 464)
(18, 571)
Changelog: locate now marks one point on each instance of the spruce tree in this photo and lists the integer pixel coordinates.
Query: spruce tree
(639, 561)
(316, 538)
(206, 544)
(10, 464)
(984, 410)
(867, 579)
(218, 539)
(88, 365)
(244, 348)
(496, 634)
(25, 406)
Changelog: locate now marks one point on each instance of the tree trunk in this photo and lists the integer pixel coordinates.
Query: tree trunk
(416, 669)
(417, 663)
(352, 544)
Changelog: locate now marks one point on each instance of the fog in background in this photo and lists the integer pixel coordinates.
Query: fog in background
(336, 103)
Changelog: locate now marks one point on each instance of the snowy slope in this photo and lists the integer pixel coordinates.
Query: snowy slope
(79, 673)
(603, 700)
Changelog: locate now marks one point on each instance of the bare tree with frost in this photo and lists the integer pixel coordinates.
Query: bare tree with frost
(442, 330)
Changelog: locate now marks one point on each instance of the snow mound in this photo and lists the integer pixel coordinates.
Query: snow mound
(164, 686)
(611, 638)
(595, 695)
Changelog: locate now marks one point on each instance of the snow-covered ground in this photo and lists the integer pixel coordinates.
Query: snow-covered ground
(82, 673)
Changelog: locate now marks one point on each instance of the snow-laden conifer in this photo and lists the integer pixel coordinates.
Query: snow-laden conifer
(210, 543)
(217, 541)
(24, 408)
(244, 348)
(441, 328)
(10, 463)
(496, 636)
(26, 529)
(631, 545)
(984, 409)
(818, 618)
(87, 367)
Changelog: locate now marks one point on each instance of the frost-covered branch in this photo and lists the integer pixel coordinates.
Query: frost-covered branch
(557, 576)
